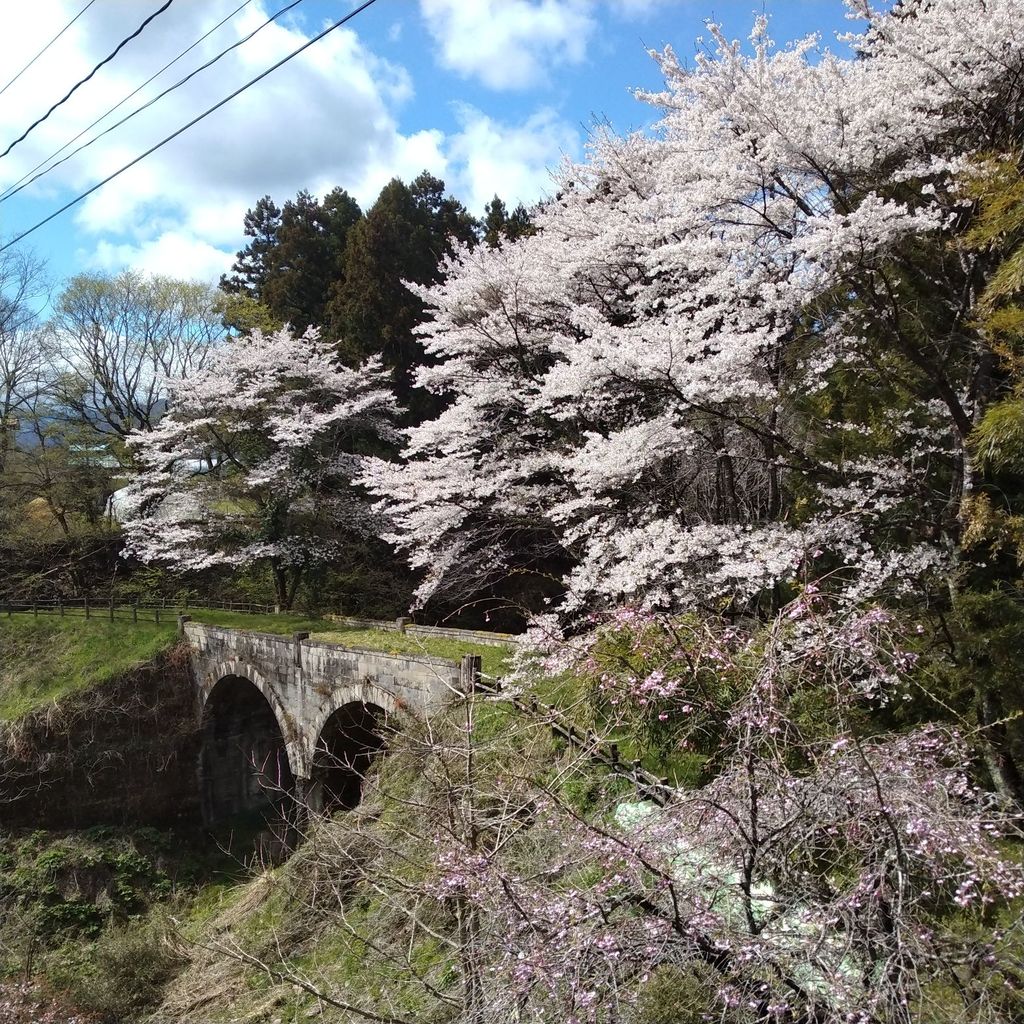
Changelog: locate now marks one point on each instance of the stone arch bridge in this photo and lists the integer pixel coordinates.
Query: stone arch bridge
(285, 717)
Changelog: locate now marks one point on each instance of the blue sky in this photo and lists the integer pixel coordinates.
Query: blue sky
(489, 94)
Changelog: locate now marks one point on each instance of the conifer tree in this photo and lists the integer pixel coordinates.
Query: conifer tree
(402, 238)
(499, 224)
(306, 259)
(249, 271)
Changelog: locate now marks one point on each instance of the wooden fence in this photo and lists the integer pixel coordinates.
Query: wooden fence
(136, 610)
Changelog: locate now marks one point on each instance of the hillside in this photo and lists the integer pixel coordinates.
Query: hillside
(358, 916)
(501, 856)
(98, 727)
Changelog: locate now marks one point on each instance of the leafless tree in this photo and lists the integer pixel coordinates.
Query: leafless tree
(22, 294)
(114, 340)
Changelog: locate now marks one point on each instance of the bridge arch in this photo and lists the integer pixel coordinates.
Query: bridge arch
(349, 731)
(247, 767)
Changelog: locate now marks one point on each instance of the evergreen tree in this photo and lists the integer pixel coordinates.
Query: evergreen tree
(249, 271)
(306, 259)
(499, 224)
(403, 237)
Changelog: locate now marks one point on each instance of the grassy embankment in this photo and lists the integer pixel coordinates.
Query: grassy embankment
(335, 916)
(133, 925)
(48, 658)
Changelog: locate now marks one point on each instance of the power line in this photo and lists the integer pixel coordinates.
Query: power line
(184, 128)
(25, 180)
(106, 60)
(30, 177)
(47, 46)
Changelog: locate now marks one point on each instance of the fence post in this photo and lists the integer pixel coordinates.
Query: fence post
(135, 610)
(156, 614)
(470, 673)
(35, 610)
(86, 607)
(186, 600)
(111, 609)
(60, 606)
(400, 623)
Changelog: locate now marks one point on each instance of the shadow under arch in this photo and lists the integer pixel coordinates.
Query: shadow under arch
(245, 775)
(350, 737)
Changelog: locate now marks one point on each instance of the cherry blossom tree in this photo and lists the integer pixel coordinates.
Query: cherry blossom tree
(809, 876)
(254, 460)
(663, 382)
(733, 380)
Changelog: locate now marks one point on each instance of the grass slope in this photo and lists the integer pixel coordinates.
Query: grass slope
(85, 918)
(45, 659)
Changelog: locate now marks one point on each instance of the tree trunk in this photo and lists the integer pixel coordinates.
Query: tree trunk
(282, 597)
(293, 587)
(1007, 775)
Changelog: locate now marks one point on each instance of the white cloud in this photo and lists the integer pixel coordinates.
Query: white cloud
(514, 161)
(325, 118)
(635, 8)
(511, 44)
(173, 253)
(424, 150)
(508, 43)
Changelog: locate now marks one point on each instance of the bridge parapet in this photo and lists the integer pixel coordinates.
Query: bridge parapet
(403, 625)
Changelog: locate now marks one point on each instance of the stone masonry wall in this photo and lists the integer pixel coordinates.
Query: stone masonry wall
(469, 636)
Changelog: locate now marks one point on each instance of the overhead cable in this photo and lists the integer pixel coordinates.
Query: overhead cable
(184, 128)
(106, 60)
(47, 46)
(31, 176)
